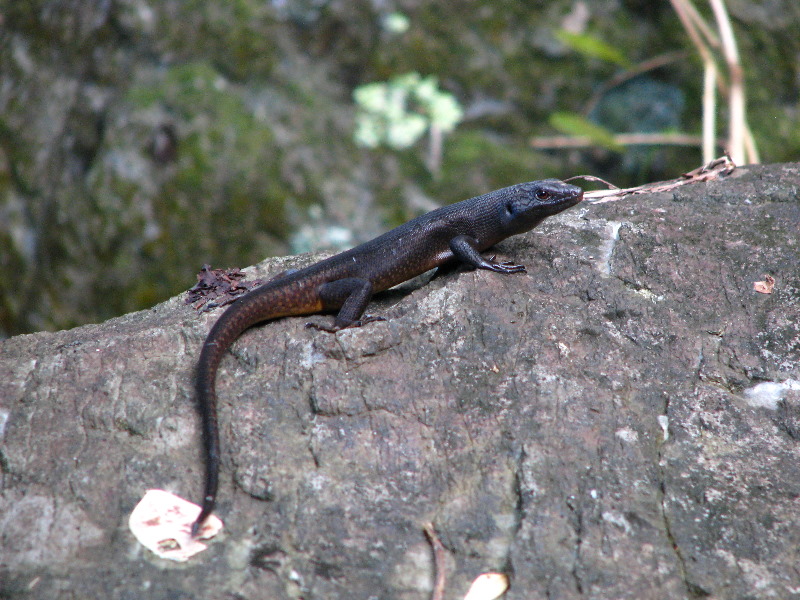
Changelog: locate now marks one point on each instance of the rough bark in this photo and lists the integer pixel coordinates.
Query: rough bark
(621, 422)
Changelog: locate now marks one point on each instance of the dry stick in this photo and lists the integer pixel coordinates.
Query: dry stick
(702, 27)
(736, 124)
(738, 116)
(699, 33)
(750, 146)
(438, 562)
(713, 170)
(702, 37)
(434, 158)
(623, 139)
(709, 110)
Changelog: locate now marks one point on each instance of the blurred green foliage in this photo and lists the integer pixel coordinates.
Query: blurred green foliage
(593, 47)
(399, 112)
(579, 126)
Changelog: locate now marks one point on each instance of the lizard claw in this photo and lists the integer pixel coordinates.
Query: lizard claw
(321, 327)
(508, 267)
(367, 319)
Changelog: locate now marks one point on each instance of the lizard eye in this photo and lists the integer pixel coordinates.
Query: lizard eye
(542, 194)
(509, 208)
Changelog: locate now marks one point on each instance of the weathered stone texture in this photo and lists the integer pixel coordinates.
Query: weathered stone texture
(621, 422)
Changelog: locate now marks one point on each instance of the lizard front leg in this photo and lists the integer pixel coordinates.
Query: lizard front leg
(465, 249)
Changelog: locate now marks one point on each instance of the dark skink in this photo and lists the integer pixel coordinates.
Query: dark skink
(346, 282)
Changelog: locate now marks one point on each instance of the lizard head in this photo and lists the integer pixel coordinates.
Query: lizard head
(525, 205)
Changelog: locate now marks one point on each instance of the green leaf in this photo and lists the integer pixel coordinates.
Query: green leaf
(575, 124)
(593, 47)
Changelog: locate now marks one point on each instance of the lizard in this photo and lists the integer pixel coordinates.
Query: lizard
(345, 282)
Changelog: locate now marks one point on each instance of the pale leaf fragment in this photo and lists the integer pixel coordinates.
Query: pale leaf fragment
(488, 586)
(162, 523)
(766, 286)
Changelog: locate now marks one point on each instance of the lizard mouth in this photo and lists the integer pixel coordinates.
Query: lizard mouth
(566, 199)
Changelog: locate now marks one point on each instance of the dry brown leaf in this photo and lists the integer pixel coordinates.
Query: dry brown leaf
(764, 287)
(218, 287)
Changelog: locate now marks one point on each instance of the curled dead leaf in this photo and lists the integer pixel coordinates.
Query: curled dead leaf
(218, 287)
(766, 286)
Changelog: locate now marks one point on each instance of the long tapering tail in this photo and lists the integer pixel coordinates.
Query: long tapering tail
(210, 357)
(227, 328)
(279, 298)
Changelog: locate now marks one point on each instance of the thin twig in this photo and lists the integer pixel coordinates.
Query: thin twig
(741, 144)
(750, 146)
(713, 170)
(709, 110)
(623, 139)
(696, 28)
(699, 22)
(434, 159)
(703, 39)
(438, 562)
(736, 125)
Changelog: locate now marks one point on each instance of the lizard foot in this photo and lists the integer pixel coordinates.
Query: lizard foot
(507, 267)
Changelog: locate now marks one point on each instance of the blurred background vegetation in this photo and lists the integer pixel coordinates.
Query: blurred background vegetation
(140, 139)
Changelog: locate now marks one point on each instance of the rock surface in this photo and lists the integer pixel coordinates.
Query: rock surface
(621, 422)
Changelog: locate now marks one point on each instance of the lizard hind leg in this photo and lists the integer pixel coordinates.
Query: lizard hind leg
(351, 296)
